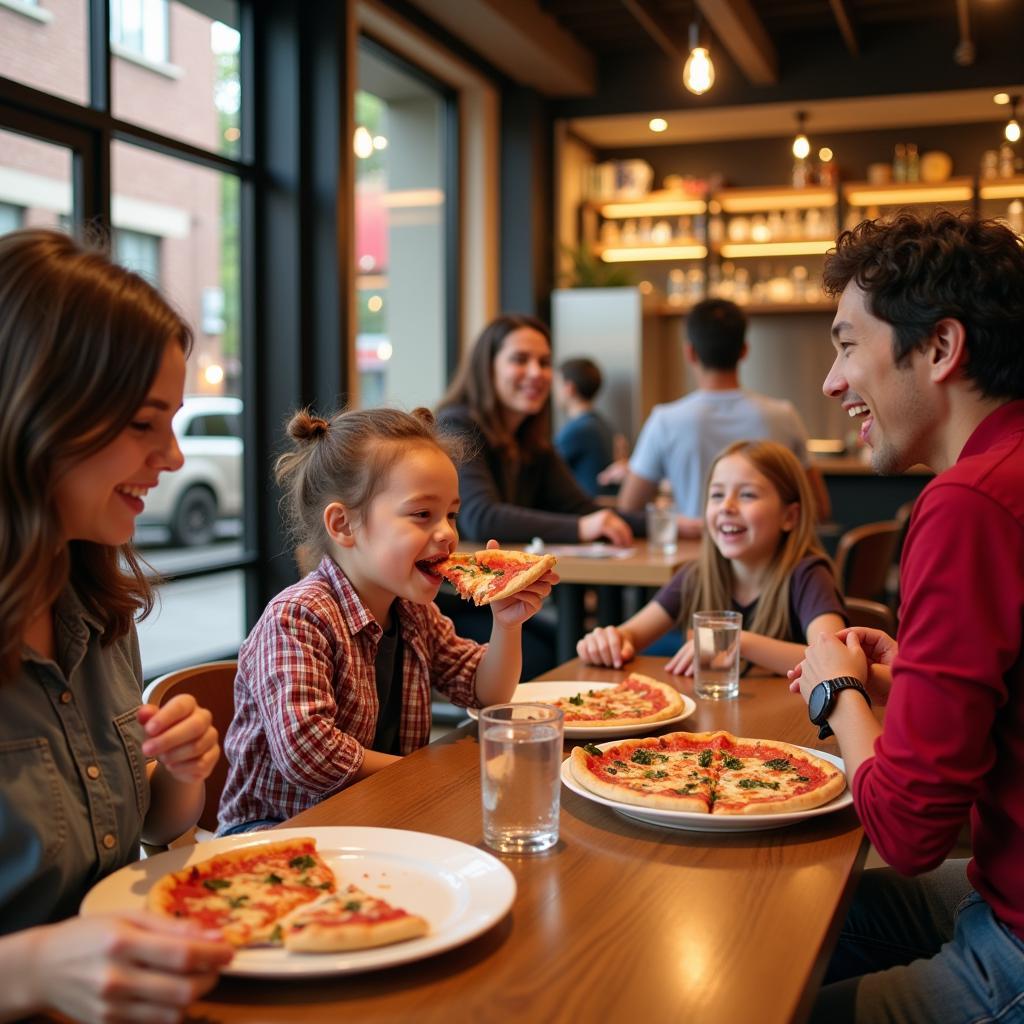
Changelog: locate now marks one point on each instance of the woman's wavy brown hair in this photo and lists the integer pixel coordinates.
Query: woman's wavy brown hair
(473, 387)
(713, 583)
(81, 340)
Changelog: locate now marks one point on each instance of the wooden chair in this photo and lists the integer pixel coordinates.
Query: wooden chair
(213, 685)
(864, 557)
(872, 614)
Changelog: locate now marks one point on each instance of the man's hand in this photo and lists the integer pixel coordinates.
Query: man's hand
(826, 658)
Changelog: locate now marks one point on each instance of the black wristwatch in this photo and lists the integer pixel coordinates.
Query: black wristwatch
(823, 699)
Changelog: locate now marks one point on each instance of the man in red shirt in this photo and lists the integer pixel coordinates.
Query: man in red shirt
(929, 336)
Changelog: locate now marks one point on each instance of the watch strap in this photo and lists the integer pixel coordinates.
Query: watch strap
(835, 687)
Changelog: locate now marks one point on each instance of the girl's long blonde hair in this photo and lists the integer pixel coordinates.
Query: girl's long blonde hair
(712, 586)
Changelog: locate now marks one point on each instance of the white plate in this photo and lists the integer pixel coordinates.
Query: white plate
(693, 822)
(460, 890)
(541, 693)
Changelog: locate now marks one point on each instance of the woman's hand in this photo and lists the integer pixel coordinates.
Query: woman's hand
(606, 645)
(180, 735)
(129, 966)
(681, 663)
(604, 523)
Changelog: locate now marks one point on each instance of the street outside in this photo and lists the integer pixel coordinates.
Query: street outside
(197, 619)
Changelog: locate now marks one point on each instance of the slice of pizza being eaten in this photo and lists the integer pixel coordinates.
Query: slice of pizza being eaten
(346, 920)
(486, 576)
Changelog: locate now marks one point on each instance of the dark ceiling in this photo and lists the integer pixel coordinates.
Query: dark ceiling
(608, 27)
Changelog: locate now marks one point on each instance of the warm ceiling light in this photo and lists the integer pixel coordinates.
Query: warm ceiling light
(657, 124)
(801, 144)
(362, 143)
(1002, 98)
(825, 154)
(698, 72)
(1012, 129)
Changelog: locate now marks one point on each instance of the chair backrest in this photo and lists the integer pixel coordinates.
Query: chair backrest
(873, 614)
(864, 557)
(213, 685)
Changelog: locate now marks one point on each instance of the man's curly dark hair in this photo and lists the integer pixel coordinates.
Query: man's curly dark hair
(917, 270)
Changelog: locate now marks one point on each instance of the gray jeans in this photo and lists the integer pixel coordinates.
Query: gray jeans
(924, 950)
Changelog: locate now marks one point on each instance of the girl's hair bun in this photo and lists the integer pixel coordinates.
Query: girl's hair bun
(304, 426)
(424, 415)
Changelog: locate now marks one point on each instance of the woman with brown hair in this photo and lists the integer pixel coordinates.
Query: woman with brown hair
(92, 369)
(514, 485)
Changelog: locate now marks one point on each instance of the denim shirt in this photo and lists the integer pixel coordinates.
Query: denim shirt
(73, 786)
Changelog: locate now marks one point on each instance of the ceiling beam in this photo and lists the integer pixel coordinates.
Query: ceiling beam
(653, 22)
(521, 40)
(841, 12)
(740, 31)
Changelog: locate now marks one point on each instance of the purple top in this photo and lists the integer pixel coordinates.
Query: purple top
(812, 592)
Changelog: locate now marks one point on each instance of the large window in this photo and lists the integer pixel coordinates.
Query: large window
(169, 198)
(404, 242)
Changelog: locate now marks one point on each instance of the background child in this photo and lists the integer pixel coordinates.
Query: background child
(586, 440)
(92, 367)
(334, 681)
(759, 555)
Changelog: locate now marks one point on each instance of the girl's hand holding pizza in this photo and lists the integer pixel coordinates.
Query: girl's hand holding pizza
(181, 736)
(515, 610)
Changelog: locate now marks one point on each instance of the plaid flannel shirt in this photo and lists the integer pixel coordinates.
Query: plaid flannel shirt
(306, 697)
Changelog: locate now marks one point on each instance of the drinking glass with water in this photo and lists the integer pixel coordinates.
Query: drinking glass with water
(716, 654)
(520, 760)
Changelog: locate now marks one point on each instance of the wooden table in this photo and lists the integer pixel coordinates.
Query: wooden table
(643, 568)
(619, 920)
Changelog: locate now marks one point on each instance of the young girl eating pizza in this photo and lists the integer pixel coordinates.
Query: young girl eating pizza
(334, 681)
(92, 368)
(759, 556)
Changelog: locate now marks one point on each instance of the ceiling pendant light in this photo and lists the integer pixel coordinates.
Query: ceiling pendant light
(1012, 129)
(698, 72)
(801, 144)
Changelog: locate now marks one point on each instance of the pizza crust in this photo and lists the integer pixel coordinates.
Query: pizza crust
(521, 580)
(476, 587)
(318, 936)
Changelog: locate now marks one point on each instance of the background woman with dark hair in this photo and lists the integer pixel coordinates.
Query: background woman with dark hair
(514, 485)
(92, 369)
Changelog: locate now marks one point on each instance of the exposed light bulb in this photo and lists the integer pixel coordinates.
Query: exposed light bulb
(362, 142)
(825, 154)
(801, 147)
(1002, 98)
(699, 72)
(1012, 130)
(657, 124)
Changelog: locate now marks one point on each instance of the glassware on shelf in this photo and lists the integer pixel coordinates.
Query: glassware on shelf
(676, 290)
(793, 225)
(899, 162)
(741, 289)
(990, 163)
(661, 233)
(776, 226)
(1006, 160)
(913, 163)
(694, 285)
(759, 228)
(629, 233)
(739, 229)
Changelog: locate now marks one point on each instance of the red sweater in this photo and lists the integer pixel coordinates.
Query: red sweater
(953, 740)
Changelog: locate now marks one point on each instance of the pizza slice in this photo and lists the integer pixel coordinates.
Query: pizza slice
(346, 920)
(486, 576)
(637, 700)
(772, 777)
(670, 776)
(244, 892)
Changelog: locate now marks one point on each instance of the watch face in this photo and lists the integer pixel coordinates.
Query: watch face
(818, 702)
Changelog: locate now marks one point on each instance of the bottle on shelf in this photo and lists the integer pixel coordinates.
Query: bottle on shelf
(1015, 216)
(913, 163)
(676, 290)
(899, 162)
(661, 233)
(1006, 160)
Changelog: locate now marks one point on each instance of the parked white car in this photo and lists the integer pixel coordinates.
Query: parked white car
(209, 484)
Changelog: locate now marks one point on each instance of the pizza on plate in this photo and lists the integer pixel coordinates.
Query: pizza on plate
(280, 893)
(637, 700)
(708, 773)
(486, 576)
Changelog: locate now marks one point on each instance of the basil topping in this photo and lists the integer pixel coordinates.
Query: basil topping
(236, 901)
(778, 764)
(757, 784)
(275, 935)
(687, 789)
(216, 883)
(705, 759)
(593, 749)
(730, 762)
(642, 756)
(305, 861)
(353, 905)
(273, 879)
(577, 700)
(612, 771)
(659, 774)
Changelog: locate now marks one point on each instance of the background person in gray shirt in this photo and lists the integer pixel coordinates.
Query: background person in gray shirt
(681, 439)
(92, 369)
